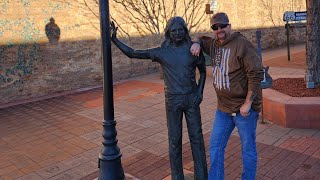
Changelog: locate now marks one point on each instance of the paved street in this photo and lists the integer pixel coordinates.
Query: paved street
(60, 137)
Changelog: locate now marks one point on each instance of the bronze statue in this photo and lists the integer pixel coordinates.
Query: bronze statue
(182, 93)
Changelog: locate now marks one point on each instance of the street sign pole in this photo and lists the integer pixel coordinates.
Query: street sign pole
(110, 156)
(258, 35)
(288, 39)
(292, 16)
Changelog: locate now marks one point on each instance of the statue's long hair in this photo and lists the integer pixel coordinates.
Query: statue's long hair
(171, 22)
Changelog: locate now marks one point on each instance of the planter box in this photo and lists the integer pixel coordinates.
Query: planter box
(291, 112)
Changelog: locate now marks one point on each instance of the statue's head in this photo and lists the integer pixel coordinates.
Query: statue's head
(176, 31)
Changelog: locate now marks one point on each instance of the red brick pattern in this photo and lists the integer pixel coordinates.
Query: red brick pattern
(60, 138)
(297, 61)
(273, 162)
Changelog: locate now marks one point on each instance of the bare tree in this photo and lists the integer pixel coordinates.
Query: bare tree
(268, 10)
(154, 14)
(296, 5)
(90, 9)
(313, 40)
(272, 10)
(145, 16)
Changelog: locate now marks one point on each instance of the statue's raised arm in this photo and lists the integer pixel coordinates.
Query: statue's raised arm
(128, 51)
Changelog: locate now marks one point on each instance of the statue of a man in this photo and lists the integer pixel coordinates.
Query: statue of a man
(182, 94)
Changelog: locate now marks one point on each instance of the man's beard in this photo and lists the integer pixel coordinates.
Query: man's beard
(223, 34)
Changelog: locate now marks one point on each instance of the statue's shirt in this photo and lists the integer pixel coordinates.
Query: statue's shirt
(179, 68)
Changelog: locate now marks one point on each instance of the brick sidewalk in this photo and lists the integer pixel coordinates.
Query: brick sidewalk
(60, 138)
(297, 61)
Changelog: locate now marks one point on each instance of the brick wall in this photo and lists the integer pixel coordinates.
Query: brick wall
(31, 67)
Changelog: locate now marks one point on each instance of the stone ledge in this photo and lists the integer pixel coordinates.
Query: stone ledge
(291, 112)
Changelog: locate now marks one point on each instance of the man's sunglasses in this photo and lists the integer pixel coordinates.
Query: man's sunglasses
(217, 26)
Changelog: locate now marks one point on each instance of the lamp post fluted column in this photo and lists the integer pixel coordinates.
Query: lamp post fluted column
(110, 156)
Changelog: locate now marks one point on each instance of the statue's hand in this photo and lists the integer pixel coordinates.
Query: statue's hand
(197, 99)
(114, 30)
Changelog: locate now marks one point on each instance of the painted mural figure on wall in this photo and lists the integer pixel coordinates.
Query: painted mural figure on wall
(182, 94)
(52, 31)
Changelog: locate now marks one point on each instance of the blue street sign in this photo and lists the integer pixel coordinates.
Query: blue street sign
(294, 16)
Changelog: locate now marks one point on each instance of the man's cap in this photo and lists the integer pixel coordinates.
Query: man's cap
(219, 18)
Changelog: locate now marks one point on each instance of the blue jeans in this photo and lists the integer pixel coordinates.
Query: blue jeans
(222, 128)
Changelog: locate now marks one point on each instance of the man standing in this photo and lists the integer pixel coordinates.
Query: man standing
(182, 93)
(237, 73)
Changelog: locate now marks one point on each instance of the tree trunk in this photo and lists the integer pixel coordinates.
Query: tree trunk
(313, 40)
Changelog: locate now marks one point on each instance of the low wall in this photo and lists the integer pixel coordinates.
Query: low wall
(33, 70)
(291, 112)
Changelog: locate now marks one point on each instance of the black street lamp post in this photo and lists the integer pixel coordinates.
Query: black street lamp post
(110, 156)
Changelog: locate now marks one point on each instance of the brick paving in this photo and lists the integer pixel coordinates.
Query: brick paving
(297, 61)
(60, 138)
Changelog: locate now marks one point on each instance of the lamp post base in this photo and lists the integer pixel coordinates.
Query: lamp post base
(111, 169)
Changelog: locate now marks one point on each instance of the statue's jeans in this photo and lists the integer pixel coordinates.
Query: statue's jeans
(176, 106)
